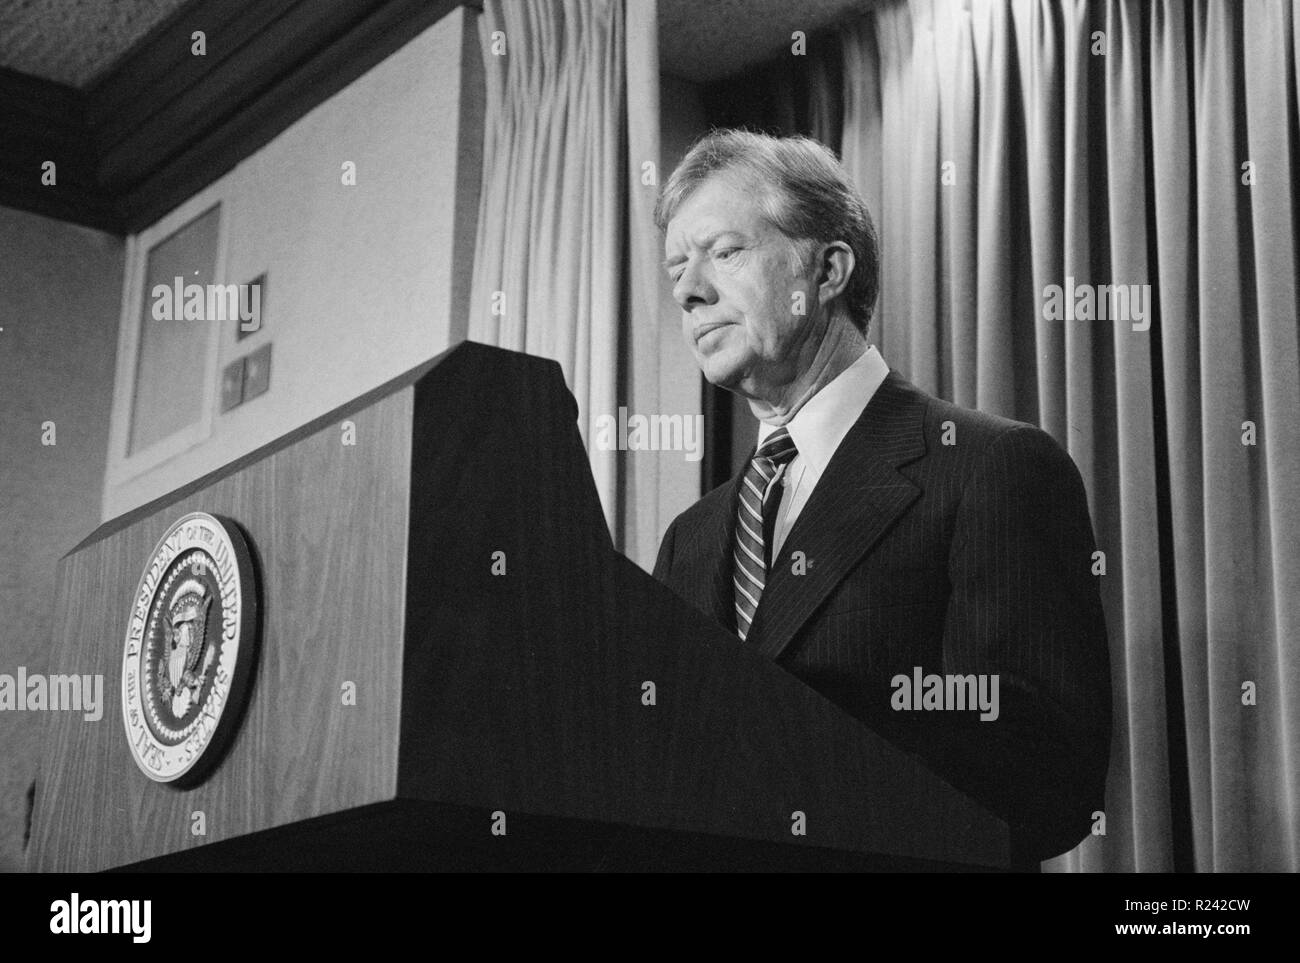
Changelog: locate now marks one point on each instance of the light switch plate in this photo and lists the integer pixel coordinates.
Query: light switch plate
(257, 372)
(232, 385)
(251, 305)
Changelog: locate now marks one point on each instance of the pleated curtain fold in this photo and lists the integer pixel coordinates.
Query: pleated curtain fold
(549, 259)
(567, 256)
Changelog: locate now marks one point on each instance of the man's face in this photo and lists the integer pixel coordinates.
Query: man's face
(734, 277)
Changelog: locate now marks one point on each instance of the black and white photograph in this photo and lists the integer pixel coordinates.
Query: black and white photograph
(671, 437)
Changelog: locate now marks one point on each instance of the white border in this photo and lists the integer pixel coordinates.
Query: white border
(123, 468)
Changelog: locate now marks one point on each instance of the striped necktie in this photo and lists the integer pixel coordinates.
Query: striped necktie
(757, 506)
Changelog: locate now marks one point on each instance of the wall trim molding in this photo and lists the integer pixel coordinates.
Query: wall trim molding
(163, 123)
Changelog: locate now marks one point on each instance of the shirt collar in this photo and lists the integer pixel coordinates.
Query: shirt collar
(821, 424)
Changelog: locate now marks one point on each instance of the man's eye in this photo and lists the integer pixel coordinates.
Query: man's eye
(726, 253)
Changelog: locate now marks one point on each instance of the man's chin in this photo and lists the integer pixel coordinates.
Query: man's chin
(721, 372)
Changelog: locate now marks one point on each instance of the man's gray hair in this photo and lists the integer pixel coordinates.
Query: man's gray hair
(802, 191)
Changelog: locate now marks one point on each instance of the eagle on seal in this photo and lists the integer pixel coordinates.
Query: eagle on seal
(185, 634)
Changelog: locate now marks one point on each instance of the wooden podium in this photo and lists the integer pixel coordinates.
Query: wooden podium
(482, 700)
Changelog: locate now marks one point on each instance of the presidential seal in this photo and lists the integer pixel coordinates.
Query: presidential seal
(189, 649)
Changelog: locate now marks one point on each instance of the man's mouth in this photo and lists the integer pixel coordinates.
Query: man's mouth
(704, 329)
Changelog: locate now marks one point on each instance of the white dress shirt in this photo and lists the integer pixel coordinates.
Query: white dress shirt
(817, 430)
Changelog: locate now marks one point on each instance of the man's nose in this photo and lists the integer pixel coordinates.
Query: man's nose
(694, 288)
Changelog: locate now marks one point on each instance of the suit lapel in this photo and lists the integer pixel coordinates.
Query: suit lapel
(856, 500)
(722, 536)
(708, 563)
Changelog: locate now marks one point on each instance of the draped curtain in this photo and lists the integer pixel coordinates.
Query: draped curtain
(1008, 147)
(567, 255)
(549, 252)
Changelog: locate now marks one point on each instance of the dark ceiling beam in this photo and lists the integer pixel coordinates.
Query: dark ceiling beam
(163, 124)
(43, 121)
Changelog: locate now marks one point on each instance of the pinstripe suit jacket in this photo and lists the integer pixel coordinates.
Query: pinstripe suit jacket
(958, 542)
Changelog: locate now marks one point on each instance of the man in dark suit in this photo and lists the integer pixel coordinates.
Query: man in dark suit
(880, 538)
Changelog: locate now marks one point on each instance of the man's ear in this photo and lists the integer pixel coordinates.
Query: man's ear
(835, 267)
